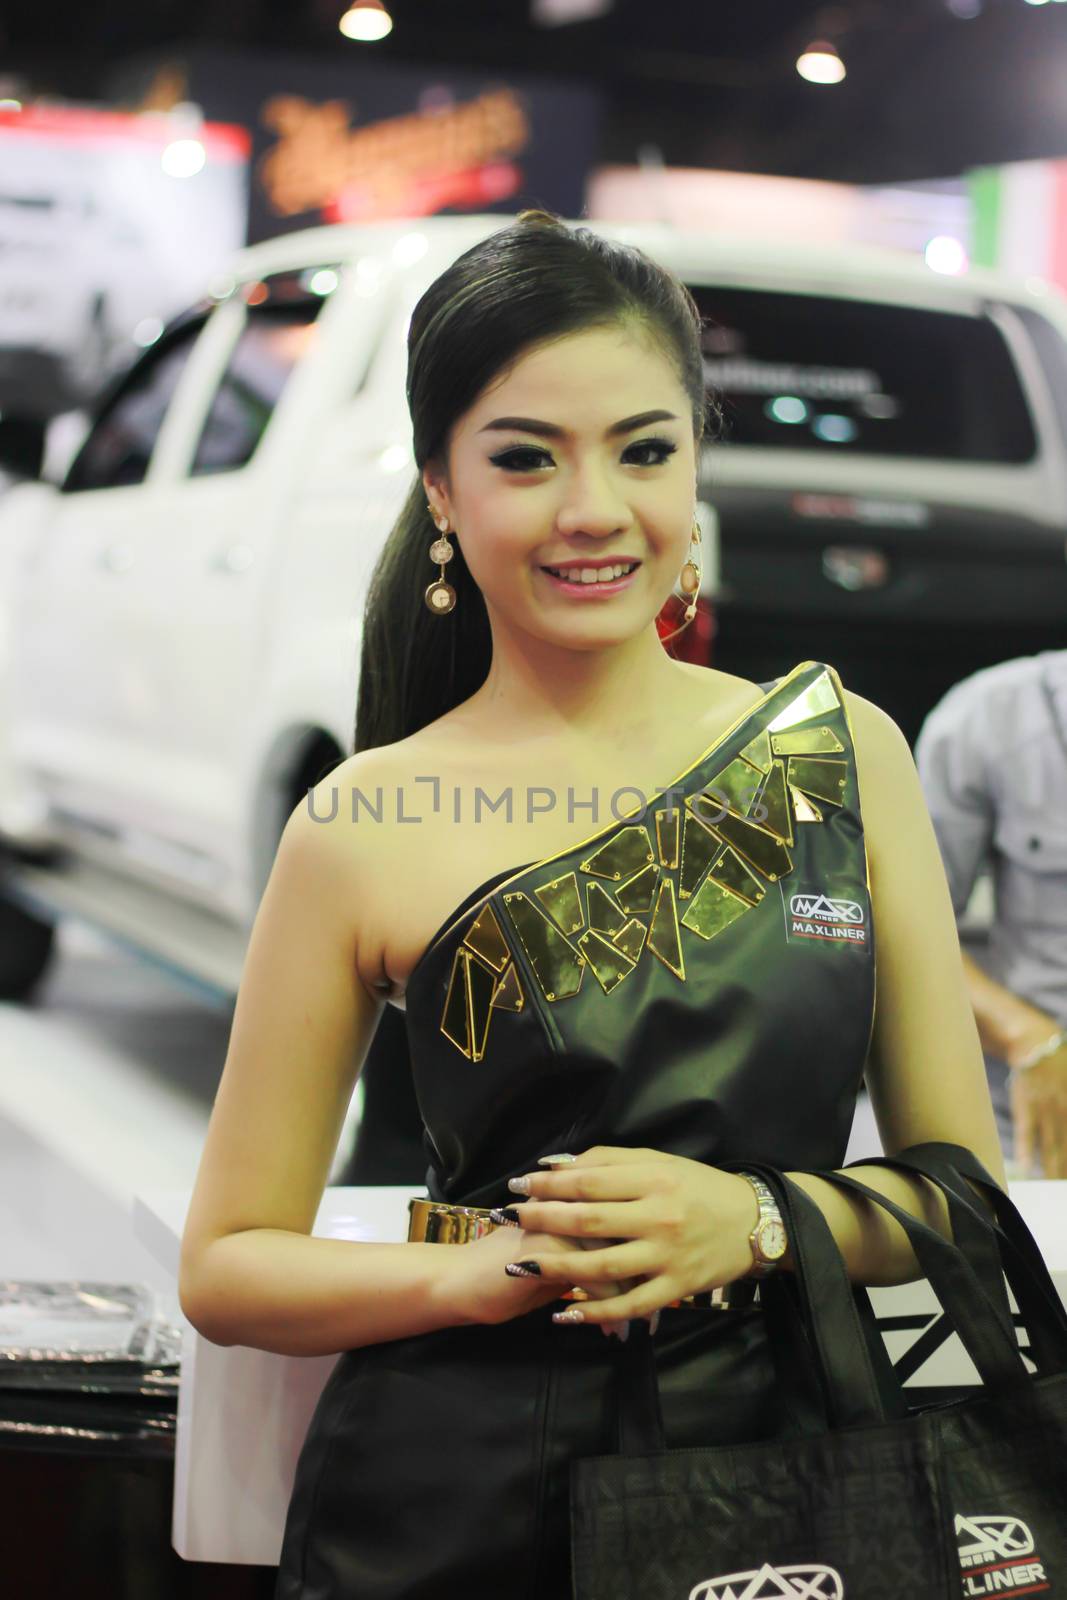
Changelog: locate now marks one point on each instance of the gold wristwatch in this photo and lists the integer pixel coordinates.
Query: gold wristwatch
(768, 1239)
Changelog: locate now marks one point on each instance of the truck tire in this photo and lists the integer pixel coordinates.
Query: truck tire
(26, 944)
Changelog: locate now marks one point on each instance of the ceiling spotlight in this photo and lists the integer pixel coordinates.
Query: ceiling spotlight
(555, 13)
(183, 158)
(943, 253)
(366, 20)
(965, 9)
(820, 63)
(1037, 2)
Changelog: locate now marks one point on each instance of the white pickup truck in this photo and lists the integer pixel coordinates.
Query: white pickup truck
(180, 615)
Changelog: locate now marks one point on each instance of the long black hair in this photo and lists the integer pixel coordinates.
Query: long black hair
(534, 280)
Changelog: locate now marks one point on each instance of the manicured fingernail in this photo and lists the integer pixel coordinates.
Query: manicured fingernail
(653, 1323)
(506, 1215)
(563, 1160)
(523, 1269)
(519, 1185)
(572, 1314)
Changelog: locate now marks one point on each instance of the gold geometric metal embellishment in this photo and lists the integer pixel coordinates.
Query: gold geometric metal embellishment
(483, 980)
(468, 1004)
(774, 800)
(557, 965)
(814, 701)
(667, 837)
(712, 909)
(730, 872)
(486, 940)
(562, 901)
(636, 893)
(735, 786)
(804, 810)
(623, 855)
(716, 850)
(758, 845)
(664, 939)
(699, 848)
(610, 965)
(806, 742)
(824, 780)
(758, 751)
(604, 915)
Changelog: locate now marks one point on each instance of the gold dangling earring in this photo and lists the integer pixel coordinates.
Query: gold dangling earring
(689, 583)
(689, 578)
(439, 595)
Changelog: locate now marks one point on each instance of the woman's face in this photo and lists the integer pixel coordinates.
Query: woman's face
(582, 456)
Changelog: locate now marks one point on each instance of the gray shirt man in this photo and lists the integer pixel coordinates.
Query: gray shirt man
(992, 758)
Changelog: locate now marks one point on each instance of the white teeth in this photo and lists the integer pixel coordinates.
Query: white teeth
(592, 574)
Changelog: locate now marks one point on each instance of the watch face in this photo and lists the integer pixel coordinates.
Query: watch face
(771, 1240)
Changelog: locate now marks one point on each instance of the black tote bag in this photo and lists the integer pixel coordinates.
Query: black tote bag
(1002, 1455)
(873, 1501)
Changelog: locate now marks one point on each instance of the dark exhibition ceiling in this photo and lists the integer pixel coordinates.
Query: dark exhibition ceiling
(932, 86)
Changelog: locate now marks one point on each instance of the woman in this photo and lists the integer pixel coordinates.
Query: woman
(681, 977)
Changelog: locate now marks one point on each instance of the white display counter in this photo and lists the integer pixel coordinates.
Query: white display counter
(243, 1414)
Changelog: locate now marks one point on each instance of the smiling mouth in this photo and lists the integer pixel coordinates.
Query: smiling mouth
(593, 574)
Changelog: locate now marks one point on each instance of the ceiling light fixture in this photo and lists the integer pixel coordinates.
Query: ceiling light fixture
(820, 63)
(943, 253)
(366, 20)
(183, 158)
(557, 13)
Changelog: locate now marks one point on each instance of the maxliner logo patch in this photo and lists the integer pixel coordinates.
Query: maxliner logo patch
(814, 914)
(997, 1557)
(807, 1582)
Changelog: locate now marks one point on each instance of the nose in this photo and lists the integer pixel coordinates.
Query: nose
(592, 505)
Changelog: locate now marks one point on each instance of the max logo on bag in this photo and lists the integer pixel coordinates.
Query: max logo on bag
(992, 1554)
(816, 915)
(807, 1582)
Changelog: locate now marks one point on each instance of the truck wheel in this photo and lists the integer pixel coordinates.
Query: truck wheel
(25, 950)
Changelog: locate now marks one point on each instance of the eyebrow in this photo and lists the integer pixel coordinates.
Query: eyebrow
(549, 430)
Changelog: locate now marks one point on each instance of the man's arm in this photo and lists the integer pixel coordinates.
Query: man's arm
(1013, 1029)
(951, 755)
(1009, 1027)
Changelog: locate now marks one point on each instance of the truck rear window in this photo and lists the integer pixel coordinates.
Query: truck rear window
(808, 372)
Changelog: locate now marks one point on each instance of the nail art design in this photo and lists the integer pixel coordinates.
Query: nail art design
(507, 1216)
(523, 1269)
(519, 1185)
(572, 1314)
(562, 1160)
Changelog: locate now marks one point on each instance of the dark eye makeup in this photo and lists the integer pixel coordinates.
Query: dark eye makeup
(531, 458)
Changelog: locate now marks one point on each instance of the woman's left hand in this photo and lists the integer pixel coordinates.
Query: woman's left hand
(684, 1227)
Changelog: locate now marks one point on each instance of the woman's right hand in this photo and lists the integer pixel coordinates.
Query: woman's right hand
(479, 1290)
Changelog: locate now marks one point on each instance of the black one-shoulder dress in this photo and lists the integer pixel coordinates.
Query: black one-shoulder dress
(697, 978)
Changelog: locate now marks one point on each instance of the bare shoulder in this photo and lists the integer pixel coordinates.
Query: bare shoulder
(883, 755)
(349, 815)
(376, 831)
(896, 821)
(717, 688)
